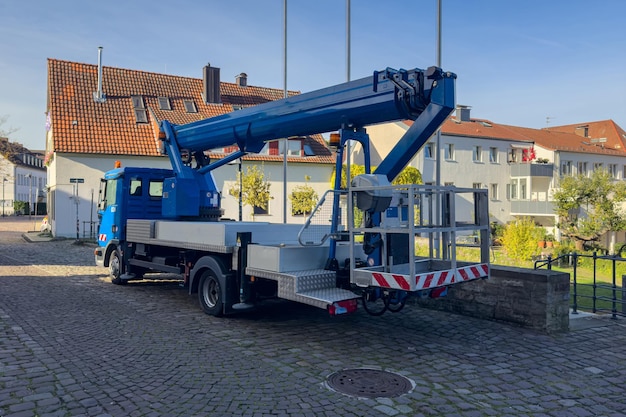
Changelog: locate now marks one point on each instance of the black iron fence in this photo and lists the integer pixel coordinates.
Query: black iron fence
(598, 282)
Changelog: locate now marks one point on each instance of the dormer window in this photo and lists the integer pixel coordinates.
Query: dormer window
(294, 147)
(190, 106)
(140, 109)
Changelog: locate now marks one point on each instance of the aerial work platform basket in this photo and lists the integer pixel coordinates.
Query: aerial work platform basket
(439, 217)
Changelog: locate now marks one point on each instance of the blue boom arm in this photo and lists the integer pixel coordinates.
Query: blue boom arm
(386, 96)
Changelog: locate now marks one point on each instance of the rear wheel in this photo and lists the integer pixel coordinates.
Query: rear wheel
(210, 294)
(115, 267)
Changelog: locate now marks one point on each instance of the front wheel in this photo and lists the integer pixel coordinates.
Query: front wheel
(210, 294)
(115, 267)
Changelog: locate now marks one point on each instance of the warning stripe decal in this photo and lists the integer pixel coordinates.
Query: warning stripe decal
(429, 280)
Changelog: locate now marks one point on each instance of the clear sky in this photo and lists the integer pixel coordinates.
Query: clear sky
(518, 62)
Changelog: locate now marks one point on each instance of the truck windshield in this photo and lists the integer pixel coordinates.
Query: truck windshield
(107, 193)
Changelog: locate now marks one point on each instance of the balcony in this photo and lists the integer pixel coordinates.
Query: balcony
(532, 208)
(532, 170)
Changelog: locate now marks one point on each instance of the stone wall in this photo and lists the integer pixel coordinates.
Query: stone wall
(536, 299)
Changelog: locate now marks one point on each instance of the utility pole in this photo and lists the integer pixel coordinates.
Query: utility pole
(3, 200)
(30, 193)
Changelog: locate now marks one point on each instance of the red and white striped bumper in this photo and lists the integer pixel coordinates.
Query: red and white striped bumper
(428, 280)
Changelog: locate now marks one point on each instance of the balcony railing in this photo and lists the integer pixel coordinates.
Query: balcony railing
(532, 170)
(529, 207)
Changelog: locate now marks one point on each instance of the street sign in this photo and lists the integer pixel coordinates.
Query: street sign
(77, 180)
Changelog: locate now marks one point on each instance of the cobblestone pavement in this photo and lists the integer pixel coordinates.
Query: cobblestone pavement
(73, 344)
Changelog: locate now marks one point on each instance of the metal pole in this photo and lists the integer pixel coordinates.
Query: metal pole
(348, 144)
(285, 94)
(30, 193)
(438, 141)
(3, 201)
(240, 193)
(347, 40)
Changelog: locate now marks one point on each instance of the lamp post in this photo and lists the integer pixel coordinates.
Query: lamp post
(30, 193)
(3, 200)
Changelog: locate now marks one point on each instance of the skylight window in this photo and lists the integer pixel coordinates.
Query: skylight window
(164, 103)
(140, 109)
(190, 106)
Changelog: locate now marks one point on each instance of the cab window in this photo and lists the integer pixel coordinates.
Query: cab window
(156, 188)
(135, 186)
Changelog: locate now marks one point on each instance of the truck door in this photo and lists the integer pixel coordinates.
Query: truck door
(110, 211)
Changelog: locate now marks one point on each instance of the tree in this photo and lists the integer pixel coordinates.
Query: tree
(409, 175)
(303, 199)
(588, 207)
(255, 188)
(520, 239)
(5, 133)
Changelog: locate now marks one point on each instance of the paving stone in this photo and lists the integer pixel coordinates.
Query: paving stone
(71, 343)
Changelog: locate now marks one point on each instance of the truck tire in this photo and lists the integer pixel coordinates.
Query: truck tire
(115, 267)
(210, 294)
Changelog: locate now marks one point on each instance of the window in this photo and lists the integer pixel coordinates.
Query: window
(477, 154)
(582, 168)
(513, 188)
(449, 152)
(155, 189)
(493, 191)
(294, 147)
(261, 210)
(477, 185)
(522, 189)
(598, 166)
(428, 151)
(493, 155)
(566, 168)
(140, 109)
(110, 192)
(190, 106)
(612, 169)
(135, 186)
(164, 103)
(448, 184)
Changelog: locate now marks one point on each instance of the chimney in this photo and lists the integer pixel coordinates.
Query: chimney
(242, 79)
(211, 84)
(98, 96)
(462, 113)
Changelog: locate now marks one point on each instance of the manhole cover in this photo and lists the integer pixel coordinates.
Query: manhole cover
(369, 383)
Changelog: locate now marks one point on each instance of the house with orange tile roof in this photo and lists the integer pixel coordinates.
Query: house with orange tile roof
(23, 177)
(520, 167)
(94, 121)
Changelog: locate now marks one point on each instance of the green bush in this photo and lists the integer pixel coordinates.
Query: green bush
(520, 239)
(21, 207)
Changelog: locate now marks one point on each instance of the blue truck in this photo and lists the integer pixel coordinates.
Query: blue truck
(169, 221)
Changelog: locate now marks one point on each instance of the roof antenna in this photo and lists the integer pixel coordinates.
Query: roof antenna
(548, 118)
(99, 96)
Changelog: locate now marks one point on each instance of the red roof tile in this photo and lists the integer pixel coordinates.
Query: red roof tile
(81, 125)
(602, 133)
(561, 138)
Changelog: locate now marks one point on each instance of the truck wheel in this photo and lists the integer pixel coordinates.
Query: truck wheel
(210, 294)
(115, 267)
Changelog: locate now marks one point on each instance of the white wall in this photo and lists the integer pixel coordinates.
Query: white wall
(91, 168)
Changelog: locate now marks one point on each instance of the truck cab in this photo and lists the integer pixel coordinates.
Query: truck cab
(126, 193)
